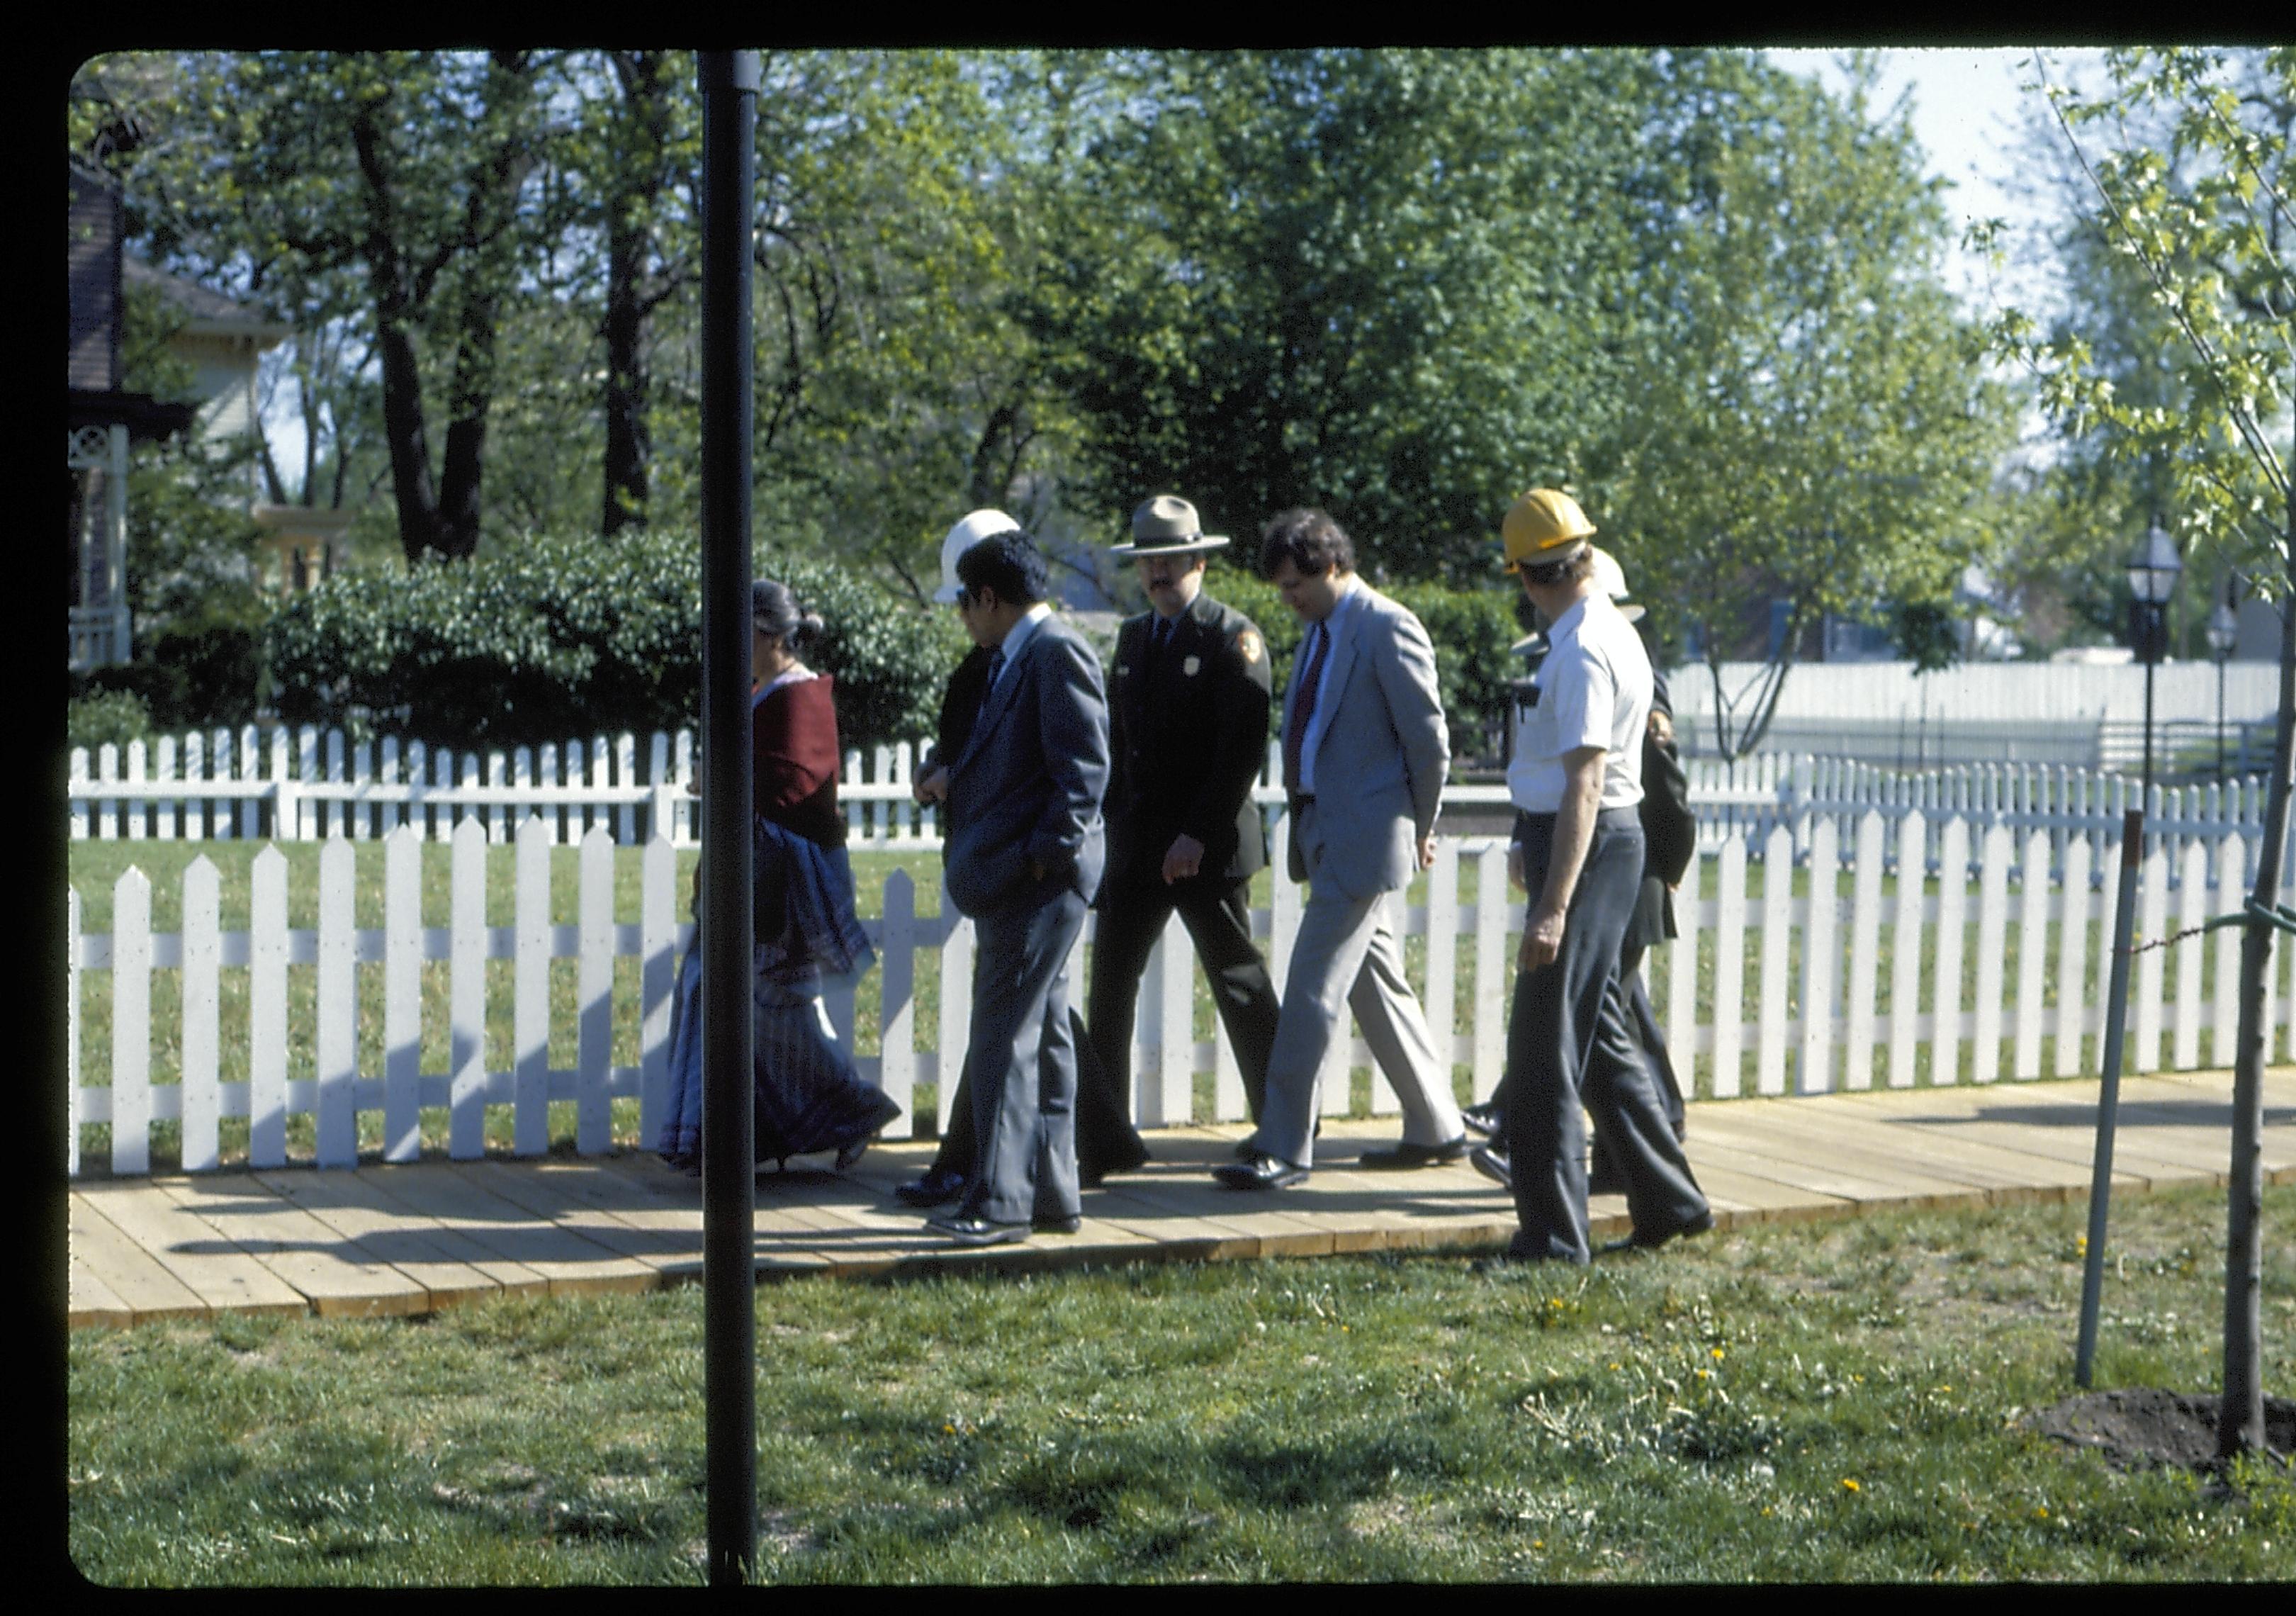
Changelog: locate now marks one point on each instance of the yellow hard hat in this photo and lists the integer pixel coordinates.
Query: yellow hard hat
(1543, 525)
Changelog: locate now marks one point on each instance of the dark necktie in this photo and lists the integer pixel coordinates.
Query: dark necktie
(996, 667)
(1295, 733)
(1160, 636)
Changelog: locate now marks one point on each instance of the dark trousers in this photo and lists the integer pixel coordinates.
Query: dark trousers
(1021, 1063)
(1131, 916)
(1641, 1021)
(1569, 1046)
(954, 1153)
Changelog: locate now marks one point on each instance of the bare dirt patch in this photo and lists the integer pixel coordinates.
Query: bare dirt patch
(2147, 1427)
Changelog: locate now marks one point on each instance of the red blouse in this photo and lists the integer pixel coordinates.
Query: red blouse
(793, 734)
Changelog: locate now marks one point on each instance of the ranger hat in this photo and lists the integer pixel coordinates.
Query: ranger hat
(1166, 525)
(977, 526)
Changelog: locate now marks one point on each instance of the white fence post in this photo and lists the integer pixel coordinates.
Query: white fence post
(1865, 950)
(1777, 912)
(202, 955)
(1992, 939)
(1730, 968)
(402, 994)
(2072, 957)
(897, 1042)
(131, 1023)
(338, 1008)
(1494, 971)
(955, 1006)
(1442, 1003)
(530, 991)
(466, 1096)
(657, 976)
(593, 1132)
(1820, 960)
(267, 1009)
(1952, 900)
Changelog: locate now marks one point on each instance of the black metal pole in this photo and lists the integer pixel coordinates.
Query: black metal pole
(2151, 656)
(729, 110)
(2108, 1097)
(2220, 738)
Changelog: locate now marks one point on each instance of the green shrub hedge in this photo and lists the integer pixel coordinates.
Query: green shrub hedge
(553, 637)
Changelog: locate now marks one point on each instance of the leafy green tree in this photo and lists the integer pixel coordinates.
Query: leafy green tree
(1805, 419)
(1340, 278)
(313, 184)
(2186, 152)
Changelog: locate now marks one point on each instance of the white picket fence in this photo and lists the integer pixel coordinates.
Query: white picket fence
(1810, 1018)
(304, 786)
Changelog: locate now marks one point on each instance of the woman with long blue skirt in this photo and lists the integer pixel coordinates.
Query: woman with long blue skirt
(809, 1098)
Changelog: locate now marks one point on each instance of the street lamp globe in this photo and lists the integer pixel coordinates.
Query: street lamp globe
(2224, 632)
(2154, 567)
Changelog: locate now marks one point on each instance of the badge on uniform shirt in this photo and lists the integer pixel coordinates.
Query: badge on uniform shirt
(1190, 666)
(1248, 643)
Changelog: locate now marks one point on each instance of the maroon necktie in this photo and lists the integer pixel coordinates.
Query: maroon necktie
(1295, 733)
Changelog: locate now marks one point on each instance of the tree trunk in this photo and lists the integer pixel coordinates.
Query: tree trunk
(443, 518)
(2240, 1417)
(403, 430)
(629, 247)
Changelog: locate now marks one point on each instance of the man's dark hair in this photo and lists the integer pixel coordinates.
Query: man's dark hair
(1578, 564)
(1310, 541)
(1008, 562)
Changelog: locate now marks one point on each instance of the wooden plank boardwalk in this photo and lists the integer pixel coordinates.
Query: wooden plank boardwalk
(406, 1239)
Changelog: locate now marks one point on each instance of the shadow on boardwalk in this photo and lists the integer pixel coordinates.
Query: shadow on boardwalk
(408, 1239)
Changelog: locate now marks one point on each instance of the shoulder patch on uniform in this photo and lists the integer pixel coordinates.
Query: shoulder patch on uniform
(1248, 643)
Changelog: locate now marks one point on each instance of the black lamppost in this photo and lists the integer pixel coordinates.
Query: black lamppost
(2224, 630)
(2152, 571)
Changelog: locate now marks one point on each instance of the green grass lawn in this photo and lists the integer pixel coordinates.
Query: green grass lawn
(95, 866)
(1819, 1401)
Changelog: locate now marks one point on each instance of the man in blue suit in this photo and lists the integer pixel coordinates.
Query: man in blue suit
(1365, 752)
(1024, 856)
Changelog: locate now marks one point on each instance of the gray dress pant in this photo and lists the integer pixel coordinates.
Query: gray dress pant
(1568, 1045)
(1348, 957)
(1021, 1063)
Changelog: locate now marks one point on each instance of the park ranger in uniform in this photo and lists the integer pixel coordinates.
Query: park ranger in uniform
(1188, 701)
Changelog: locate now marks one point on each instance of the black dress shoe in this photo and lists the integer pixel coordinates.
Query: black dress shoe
(1407, 1154)
(1056, 1226)
(1640, 1241)
(933, 1189)
(1262, 1172)
(1483, 1120)
(1245, 1150)
(976, 1231)
(1492, 1163)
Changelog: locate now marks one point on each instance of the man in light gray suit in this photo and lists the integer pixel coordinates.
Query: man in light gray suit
(1365, 752)
(1023, 859)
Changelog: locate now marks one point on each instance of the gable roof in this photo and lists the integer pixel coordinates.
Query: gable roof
(210, 313)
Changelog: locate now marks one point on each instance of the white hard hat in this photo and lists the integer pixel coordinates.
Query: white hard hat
(1611, 578)
(977, 526)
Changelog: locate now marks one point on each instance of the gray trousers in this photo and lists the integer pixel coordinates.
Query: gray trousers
(1348, 957)
(1568, 1045)
(1021, 1063)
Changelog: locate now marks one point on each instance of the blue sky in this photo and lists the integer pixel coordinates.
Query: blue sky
(1966, 114)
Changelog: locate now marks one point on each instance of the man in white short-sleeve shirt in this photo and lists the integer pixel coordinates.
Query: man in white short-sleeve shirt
(1576, 782)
